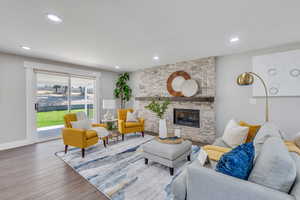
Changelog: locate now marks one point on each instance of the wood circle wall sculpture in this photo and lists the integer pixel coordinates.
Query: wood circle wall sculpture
(175, 84)
(176, 77)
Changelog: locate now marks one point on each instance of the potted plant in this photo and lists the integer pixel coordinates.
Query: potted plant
(111, 126)
(122, 90)
(159, 110)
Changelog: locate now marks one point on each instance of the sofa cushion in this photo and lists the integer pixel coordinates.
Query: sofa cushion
(296, 187)
(238, 162)
(253, 129)
(219, 142)
(234, 134)
(274, 167)
(132, 124)
(297, 140)
(178, 186)
(168, 151)
(268, 130)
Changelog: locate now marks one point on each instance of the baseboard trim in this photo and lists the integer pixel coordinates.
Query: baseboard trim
(15, 144)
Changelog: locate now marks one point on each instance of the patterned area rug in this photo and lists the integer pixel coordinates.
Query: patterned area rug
(119, 171)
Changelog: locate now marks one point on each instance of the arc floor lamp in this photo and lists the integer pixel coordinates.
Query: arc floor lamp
(247, 78)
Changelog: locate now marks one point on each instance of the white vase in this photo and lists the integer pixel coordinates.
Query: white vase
(163, 128)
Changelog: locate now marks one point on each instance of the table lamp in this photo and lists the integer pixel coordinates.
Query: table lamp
(108, 104)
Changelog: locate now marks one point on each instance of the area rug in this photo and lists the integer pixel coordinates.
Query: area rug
(119, 170)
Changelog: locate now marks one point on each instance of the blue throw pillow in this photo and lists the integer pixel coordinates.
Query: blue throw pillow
(238, 162)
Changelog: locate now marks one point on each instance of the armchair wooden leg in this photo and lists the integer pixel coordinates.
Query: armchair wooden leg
(171, 171)
(104, 142)
(82, 152)
(143, 134)
(66, 149)
(189, 157)
(123, 137)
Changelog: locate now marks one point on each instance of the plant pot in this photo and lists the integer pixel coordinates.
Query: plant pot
(163, 128)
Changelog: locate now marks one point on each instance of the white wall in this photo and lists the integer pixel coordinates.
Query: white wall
(108, 80)
(232, 101)
(12, 94)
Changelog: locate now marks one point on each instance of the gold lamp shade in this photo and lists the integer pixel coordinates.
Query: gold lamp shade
(245, 79)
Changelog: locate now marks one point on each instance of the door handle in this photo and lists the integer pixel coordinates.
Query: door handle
(36, 106)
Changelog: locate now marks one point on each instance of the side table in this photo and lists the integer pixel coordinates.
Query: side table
(114, 135)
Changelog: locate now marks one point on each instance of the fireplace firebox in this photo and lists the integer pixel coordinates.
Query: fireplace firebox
(187, 117)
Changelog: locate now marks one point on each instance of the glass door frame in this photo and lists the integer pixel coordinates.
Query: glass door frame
(31, 88)
(94, 92)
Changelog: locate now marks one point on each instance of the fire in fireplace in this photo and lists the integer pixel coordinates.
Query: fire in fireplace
(187, 117)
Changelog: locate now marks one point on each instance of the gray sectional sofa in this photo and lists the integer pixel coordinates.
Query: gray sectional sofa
(275, 175)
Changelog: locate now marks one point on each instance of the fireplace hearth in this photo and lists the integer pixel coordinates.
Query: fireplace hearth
(187, 117)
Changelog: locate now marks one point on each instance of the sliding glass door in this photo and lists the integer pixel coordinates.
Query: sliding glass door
(83, 96)
(58, 94)
(51, 104)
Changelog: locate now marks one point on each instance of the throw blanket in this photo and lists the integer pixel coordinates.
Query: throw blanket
(215, 152)
(101, 131)
(292, 147)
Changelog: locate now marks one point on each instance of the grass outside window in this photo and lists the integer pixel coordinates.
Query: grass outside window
(52, 118)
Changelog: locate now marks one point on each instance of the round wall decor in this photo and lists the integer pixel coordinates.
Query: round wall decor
(295, 72)
(273, 90)
(174, 77)
(177, 82)
(189, 88)
(272, 72)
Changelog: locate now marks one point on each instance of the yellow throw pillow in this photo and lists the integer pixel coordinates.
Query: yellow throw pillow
(253, 129)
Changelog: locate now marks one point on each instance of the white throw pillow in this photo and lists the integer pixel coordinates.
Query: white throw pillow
(81, 116)
(234, 134)
(82, 124)
(131, 117)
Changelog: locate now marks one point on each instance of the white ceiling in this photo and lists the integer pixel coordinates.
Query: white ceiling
(128, 33)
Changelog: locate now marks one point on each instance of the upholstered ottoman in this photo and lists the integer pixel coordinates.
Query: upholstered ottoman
(167, 154)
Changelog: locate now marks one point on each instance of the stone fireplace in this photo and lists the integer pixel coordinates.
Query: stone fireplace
(196, 119)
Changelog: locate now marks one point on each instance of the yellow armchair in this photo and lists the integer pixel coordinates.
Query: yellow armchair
(129, 127)
(79, 137)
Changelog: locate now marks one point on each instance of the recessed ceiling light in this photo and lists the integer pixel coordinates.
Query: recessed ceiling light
(155, 58)
(117, 67)
(234, 39)
(54, 18)
(25, 47)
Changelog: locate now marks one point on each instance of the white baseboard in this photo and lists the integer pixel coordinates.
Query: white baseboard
(14, 144)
